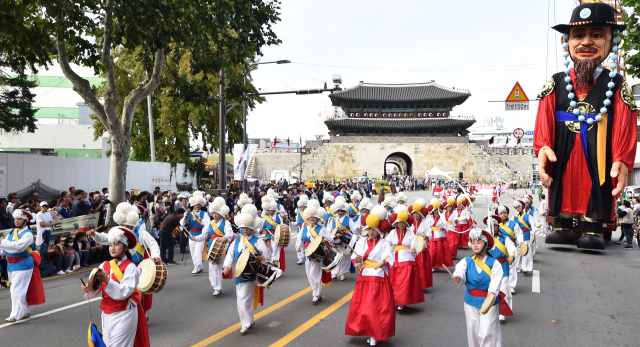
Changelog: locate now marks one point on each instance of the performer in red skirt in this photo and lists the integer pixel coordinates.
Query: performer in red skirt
(452, 236)
(461, 218)
(439, 246)
(404, 275)
(420, 229)
(372, 312)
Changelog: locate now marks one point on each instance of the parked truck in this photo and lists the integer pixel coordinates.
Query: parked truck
(291, 177)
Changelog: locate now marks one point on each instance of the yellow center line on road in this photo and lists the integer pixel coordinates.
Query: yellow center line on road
(311, 322)
(257, 316)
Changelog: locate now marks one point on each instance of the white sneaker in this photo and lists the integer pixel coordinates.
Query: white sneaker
(195, 271)
(68, 271)
(342, 277)
(216, 292)
(301, 262)
(519, 270)
(199, 271)
(372, 341)
(501, 319)
(243, 330)
(60, 273)
(315, 299)
(513, 291)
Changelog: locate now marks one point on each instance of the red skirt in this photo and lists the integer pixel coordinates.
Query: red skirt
(372, 311)
(283, 260)
(423, 260)
(440, 253)
(463, 239)
(453, 239)
(407, 289)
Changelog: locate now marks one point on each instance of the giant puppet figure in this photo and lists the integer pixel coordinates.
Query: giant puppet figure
(585, 133)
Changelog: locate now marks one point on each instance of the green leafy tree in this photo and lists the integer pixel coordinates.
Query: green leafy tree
(16, 103)
(88, 32)
(631, 43)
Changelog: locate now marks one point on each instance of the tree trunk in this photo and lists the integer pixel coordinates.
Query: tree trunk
(118, 173)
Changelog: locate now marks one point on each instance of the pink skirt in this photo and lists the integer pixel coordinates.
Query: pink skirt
(407, 289)
(372, 311)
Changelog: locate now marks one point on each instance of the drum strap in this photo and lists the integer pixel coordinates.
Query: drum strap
(501, 247)
(270, 221)
(313, 232)
(216, 229)
(508, 230)
(248, 244)
(354, 207)
(303, 217)
(523, 222)
(481, 264)
(193, 214)
(330, 211)
(339, 224)
(16, 238)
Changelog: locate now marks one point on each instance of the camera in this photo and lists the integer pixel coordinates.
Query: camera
(106, 201)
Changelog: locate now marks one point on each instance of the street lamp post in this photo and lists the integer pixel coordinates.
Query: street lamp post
(245, 185)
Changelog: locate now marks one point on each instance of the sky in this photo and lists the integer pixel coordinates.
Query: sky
(483, 46)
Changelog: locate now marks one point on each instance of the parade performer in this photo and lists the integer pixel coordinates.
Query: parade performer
(23, 260)
(439, 249)
(128, 216)
(327, 200)
(123, 318)
(354, 205)
(341, 228)
(405, 278)
(448, 193)
(481, 274)
(219, 227)
(364, 210)
(300, 221)
(316, 276)
(511, 230)
(504, 251)
(248, 294)
(402, 199)
(494, 200)
(527, 225)
(452, 236)
(271, 222)
(437, 192)
(585, 134)
(195, 222)
(533, 217)
(387, 204)
(371, 312)
(461, 220)
(420, 228)
(275, 196)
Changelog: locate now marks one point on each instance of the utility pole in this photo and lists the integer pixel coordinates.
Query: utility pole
(245, 184)
(222, 162)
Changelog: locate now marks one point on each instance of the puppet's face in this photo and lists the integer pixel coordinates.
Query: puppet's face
(588, 42)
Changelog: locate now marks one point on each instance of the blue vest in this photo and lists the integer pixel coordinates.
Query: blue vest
(526, 234)
(497, 254)
(512, 225)
(306, 234)
(532, 210)
(352, 211)
(300, 220)
(477, 280)
(27, 262)
(136, 257)
(346, 220)
(329, 215)
(252, 241)
(212, 233)
(194, 224)
(270, 229)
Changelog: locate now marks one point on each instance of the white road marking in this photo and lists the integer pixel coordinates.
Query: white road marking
(535, 282)
(49, 312)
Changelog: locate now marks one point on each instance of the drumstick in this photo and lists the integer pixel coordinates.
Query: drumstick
(381, 262)
(81, 280)
(446, 268)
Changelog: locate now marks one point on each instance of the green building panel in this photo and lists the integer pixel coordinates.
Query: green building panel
(55, 112)
(78, 153)
(61, 81)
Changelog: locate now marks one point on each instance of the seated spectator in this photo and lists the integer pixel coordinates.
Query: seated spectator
(160, 210)
(80, 208)
(63, 210)
(95, 251)
(98, 205)
(73, 258)
(56, 257)
(155, 229)
(81, 246)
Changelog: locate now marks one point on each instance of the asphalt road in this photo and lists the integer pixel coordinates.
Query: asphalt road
(591, 295)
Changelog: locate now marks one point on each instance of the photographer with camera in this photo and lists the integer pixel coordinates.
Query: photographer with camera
(99, 206)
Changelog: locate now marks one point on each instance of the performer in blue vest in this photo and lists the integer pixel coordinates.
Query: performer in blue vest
(344, 229)
(533, 216)
(23, 260)
(300, 221)
(527, 224)
(246, 289)
(512, 231)
(504, 251)
(316, 276)
(194, 222)
(482, 275)
(328, 200)
(271, 222)
(219, 227)
(354, 205)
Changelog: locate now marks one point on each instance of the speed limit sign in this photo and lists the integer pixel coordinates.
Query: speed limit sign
(518, 133)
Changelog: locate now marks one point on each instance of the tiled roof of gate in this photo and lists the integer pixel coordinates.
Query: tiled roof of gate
(400, 93)
(399, 123)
